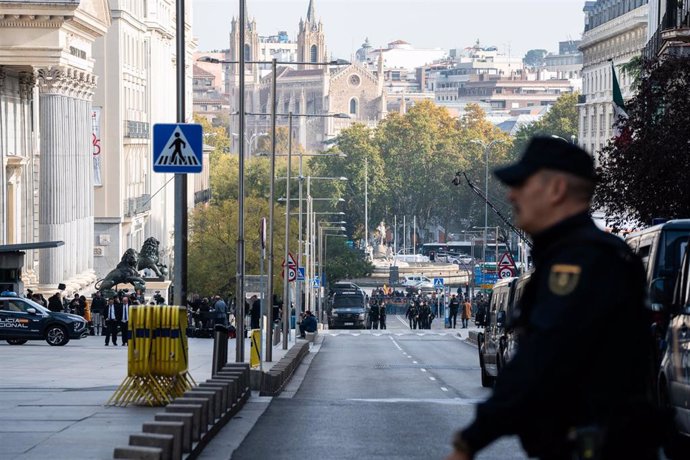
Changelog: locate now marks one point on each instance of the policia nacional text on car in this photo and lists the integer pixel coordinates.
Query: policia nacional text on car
(578, 384)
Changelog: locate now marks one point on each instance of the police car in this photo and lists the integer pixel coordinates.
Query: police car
(22, 320)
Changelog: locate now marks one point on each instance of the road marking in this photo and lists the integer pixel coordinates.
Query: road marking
(414, 362)
(443, 402)
(444, 388)
(407, 324)
(409, 357)
(422, 369)
(396, 344)
(433, 379)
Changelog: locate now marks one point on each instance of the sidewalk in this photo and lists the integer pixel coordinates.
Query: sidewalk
(52, 398)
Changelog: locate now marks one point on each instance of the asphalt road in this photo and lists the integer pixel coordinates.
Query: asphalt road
(397, 394)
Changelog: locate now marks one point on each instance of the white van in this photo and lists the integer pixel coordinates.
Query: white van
(417, 281)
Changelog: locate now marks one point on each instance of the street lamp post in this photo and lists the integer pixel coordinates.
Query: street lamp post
(239, 291)
(487, 149)
(321, 264)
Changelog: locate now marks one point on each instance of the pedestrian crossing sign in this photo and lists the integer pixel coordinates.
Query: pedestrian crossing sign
(438, 283)
(177, 148)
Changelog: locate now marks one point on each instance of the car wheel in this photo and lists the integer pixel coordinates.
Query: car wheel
(56, 336)
(17, 341)
(487, 380)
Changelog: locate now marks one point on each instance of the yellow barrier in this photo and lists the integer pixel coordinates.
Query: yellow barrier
(157, 357)
(255, 355)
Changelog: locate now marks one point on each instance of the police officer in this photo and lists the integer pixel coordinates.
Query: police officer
(411, 314)
(580, 378)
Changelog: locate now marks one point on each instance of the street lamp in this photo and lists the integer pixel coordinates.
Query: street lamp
(251, 140)
(321, 262)
(487, 149)
(180, 180)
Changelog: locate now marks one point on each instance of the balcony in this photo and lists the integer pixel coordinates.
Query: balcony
(136, 129)
(138, 205)
(203, 196)
(674, 29)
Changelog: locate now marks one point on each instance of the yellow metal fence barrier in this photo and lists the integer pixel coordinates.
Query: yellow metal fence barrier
(157, 359)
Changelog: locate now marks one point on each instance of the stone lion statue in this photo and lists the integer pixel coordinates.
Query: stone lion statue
(125, 273)
(149, 258)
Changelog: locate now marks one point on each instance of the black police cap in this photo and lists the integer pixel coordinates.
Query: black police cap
(548, 153)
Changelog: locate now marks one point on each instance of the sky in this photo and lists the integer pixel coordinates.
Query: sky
(514, 26)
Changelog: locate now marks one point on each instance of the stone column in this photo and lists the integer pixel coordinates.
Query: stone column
(66, 188)
(3, 149)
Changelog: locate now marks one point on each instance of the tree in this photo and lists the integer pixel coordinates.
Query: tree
(643, 170)
(343, 262)
(534, 58)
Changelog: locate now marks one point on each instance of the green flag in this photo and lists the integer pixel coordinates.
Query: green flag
(618, 103)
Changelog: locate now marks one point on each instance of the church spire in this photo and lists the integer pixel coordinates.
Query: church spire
(311, 15)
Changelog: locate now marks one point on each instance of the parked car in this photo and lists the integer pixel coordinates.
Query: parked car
(661, 249)
(674, 372)
(497, 344)
(22, 320)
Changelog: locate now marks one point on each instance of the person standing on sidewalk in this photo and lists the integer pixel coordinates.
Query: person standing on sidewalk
(454, 307)
(98, 310)
(124, 322)
(569, 392)
(466, 313)
(112, 320)
(382, 315)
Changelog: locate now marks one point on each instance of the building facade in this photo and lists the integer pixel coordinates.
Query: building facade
(668, 29)
(136, 63)
(47, 82)
(615, 31)
(303, 89)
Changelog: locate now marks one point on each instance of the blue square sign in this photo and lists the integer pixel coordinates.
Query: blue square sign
(177, 148)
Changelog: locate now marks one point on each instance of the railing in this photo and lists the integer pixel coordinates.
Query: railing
(138, 205)
(203, 196)
(677, 16)
(136, 129)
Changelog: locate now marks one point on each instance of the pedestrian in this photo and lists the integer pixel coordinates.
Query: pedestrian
(55, 302)
(112, 320)
(411, 314)
(570, 391)
(98, 308)
(374, 314)
(308, 324)
(454, 307)
(382, 315)
(255, 312)
(221, 310)
(466, 313)
(124, 322)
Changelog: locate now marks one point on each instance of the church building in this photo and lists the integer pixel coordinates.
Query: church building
(310, 86)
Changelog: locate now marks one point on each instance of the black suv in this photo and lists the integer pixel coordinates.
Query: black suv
(348, 309)
(22, 320)
(497, 344)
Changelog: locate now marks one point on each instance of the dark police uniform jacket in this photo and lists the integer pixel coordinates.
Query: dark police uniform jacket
(583, 350)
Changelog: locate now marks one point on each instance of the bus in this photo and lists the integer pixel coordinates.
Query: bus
(465, 248)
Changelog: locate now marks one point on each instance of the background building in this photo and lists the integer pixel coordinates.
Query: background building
(47, 173)
(615, 31)
(136, 64)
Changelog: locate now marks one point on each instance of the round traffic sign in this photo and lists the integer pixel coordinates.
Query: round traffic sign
(292, 273)
(505, 273)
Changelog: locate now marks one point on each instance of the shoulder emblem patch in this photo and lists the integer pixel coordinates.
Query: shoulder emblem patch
(563, 279)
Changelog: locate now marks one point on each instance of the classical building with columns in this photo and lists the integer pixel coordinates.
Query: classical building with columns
(46, 179)
(615, 31)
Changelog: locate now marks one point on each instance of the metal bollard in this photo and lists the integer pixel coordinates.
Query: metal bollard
(220, 348)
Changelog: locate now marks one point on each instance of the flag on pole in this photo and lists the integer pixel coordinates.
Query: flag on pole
(618, 103)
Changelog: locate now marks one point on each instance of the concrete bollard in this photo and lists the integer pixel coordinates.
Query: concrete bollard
(162, 441)
(195, 410)
(173, 428)
(138, 453)
(234, 387)
(221, 392)
(206, 412)
(242, 381)
(213, 402)
(187, 419)
(221, 389)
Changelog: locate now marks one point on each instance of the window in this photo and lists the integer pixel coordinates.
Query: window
(314, 53)
(353, 106)
(247, 52)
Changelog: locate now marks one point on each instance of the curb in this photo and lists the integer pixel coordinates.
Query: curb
(194, 419)
(273, 381)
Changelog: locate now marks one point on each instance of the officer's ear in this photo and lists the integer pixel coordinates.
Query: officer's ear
(555, 187)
